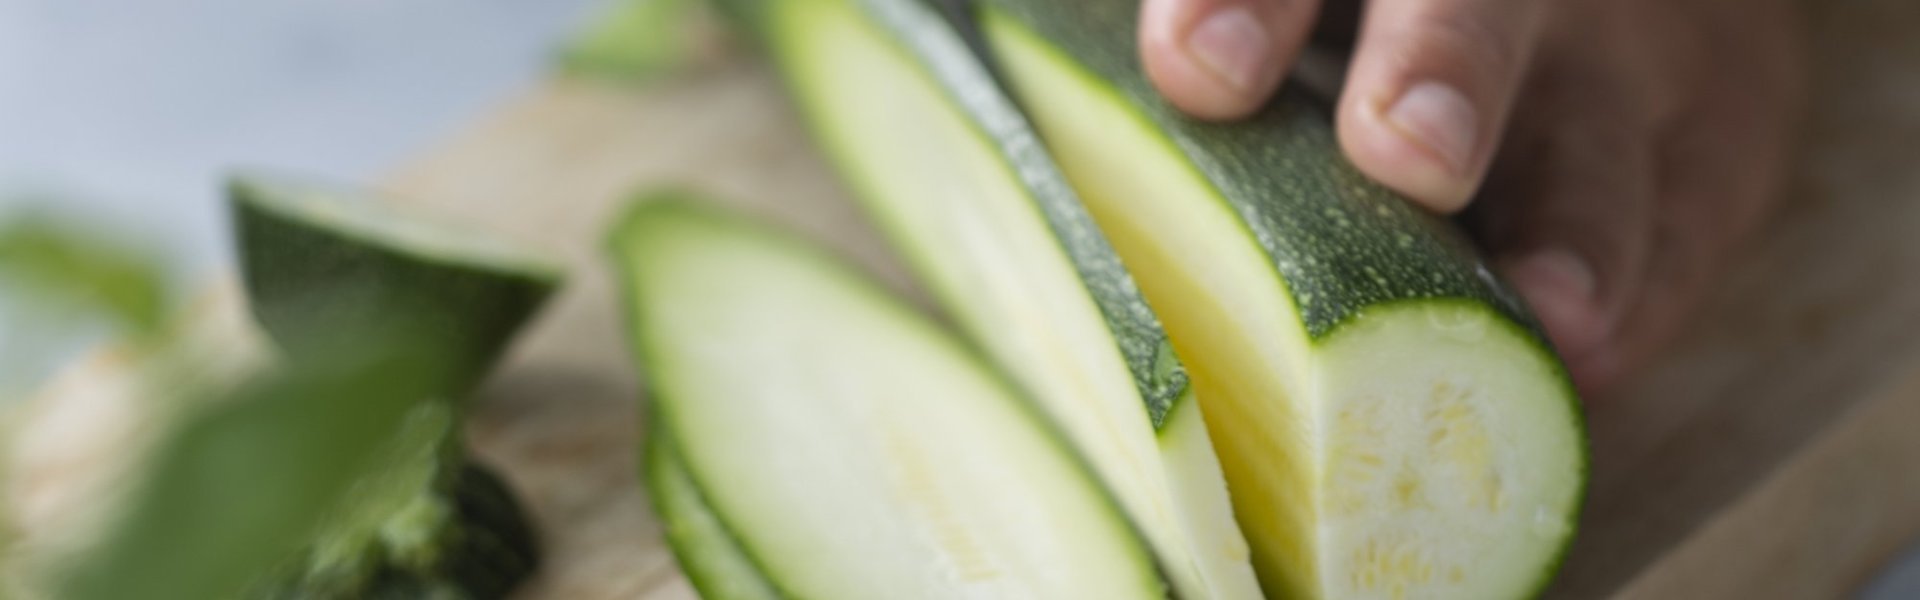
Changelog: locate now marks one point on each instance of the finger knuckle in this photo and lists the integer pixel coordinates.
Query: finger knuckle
(1495, 48)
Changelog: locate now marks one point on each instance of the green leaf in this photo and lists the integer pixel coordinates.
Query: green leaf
(58, 266)
(247, 480)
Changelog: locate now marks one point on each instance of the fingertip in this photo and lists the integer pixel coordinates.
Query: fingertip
(1421, 143)
(1429, 91)
(1215, 59)
(1562, 289)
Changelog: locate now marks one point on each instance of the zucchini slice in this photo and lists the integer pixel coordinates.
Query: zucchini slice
(952, 172)
(321, 263)
(317, 258)
(855, 449)
(708, 553)
(1389, 419)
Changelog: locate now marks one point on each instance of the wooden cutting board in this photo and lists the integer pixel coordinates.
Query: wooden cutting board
(1770, 453)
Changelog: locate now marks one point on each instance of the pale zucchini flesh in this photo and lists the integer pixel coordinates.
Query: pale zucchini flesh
(709, 554)
(952, 172)
(1389, 420)
(855, 449)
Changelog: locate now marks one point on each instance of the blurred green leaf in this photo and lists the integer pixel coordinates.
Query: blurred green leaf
(76, 272)
(635, 41)
(245, 481)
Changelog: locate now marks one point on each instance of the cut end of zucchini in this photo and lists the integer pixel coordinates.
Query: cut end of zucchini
(1446, 475)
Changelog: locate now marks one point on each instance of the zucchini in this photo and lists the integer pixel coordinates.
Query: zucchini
(855, 449)
(323, 264)
(317, 258)
(1390, 420)
(951, 171)
(708, 553)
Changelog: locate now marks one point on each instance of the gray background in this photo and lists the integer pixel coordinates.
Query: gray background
(123, 113)
(126, 111)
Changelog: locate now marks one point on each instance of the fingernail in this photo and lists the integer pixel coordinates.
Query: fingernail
(1561, 287)
(1232, 44)
(1439, 117)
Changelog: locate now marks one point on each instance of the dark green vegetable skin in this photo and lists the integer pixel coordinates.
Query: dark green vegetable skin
(491, 552)
(304, 279)
(1284, 174)
(1343, 243)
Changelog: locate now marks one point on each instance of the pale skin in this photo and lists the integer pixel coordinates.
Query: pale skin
(1615, 152)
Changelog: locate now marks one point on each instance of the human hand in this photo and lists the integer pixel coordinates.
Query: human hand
(1626, 145)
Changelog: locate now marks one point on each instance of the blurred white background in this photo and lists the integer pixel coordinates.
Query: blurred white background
(127, 111)
(123, 113)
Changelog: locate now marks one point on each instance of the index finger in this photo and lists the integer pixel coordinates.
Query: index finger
(1221, 59)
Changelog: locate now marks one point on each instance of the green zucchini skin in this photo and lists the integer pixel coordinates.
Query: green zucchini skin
(303, 280)
(1342, 242)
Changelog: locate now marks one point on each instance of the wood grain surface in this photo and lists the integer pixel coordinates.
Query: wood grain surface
(1766, 455)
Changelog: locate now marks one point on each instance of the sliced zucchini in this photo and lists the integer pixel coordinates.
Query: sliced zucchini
(855, 449)
(950, 169)
(709, 554)
(317, 258)
(1389, 419)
